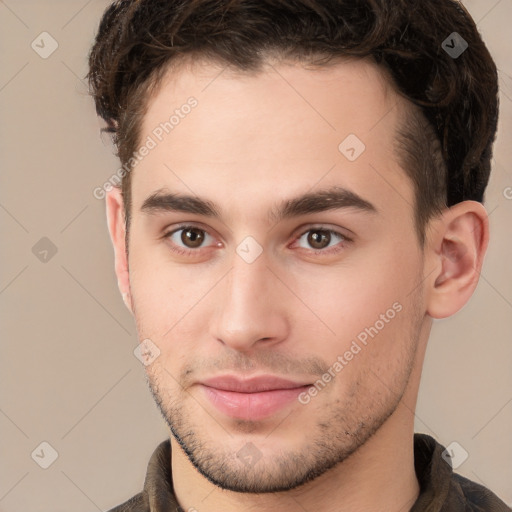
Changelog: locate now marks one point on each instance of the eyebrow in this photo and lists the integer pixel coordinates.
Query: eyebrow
(333, 198)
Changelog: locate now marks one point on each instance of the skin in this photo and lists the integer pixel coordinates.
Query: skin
(252, 142)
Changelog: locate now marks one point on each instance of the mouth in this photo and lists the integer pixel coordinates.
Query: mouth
(251, 399)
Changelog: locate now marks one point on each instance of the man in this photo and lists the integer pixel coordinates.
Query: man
(301, 194)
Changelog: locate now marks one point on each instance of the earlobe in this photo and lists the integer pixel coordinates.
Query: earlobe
(117, 230)
(456, 251)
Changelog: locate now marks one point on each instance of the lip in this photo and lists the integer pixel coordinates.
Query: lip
(251, 399)
(253, 384)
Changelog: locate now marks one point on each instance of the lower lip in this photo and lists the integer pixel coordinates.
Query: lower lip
(251, 406)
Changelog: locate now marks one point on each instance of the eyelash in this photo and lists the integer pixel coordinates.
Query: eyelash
(189, 252)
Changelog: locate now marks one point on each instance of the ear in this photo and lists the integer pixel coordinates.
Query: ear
(117, 230)
(455, 250)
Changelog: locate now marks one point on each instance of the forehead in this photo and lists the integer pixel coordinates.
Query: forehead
(275, 132)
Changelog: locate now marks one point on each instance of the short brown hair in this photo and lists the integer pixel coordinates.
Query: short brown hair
(445, 146)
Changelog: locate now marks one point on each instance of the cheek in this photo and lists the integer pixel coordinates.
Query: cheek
(365, 303)
(172, 306)
(161, 288)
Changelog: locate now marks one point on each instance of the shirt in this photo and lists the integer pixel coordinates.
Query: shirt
(441, 490)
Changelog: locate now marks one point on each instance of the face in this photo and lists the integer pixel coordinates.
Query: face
(274, 265)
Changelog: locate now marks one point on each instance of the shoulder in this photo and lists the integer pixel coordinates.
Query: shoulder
(442, 490)
(473, 497)
(139, 503)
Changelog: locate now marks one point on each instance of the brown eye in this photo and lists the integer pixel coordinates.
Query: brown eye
(189, 240)
(192, 237)
(319, 239)
(322, 240)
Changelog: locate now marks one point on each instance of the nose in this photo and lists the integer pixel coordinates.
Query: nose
(252, 307)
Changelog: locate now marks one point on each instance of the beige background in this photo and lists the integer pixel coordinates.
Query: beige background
(68, 373)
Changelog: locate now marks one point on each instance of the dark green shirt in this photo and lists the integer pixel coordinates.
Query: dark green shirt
(441, 490)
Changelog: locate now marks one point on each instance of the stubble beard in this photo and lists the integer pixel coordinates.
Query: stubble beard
(343, 428)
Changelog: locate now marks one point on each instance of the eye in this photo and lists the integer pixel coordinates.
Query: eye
(320, 239)
(187, 239)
